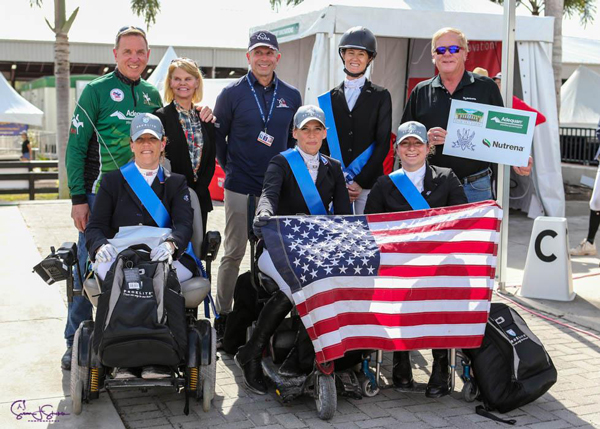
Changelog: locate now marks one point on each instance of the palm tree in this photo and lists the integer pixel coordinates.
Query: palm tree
(146, 8)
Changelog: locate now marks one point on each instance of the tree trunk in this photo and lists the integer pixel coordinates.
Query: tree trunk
(62, 76)
(555, 8)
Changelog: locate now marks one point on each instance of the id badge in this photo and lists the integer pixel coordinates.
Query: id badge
(265, 138)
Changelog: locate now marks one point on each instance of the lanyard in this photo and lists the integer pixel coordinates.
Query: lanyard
(262, 113)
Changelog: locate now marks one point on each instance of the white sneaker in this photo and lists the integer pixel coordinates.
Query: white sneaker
(584, 248)
(152, 372)
(124, 374)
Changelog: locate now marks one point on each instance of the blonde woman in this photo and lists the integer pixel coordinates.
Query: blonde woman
(191, 142)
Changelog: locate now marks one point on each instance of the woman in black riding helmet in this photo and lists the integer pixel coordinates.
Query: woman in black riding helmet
(362, 113)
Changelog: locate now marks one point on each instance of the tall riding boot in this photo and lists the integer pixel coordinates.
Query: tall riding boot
(402, 371)
(440, 375)
(249, 356)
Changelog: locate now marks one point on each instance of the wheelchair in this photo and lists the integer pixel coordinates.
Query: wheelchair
(350, 376)
(195, 375)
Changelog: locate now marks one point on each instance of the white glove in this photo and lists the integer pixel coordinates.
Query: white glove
(106, 253)
(163, 251)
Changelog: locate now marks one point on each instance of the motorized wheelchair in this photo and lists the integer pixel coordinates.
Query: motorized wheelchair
(195, 375)
(350, 376)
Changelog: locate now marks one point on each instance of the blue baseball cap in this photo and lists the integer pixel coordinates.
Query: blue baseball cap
(308, 113)
(411, 129)
(146, 123)
(263, 38)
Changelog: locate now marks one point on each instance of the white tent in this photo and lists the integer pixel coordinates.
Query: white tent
(579, 95)
(14, 108)
(210, 91)
(157, 78)
(309, 35)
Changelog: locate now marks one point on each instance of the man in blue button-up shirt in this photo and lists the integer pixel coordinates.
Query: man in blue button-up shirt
(254, 123)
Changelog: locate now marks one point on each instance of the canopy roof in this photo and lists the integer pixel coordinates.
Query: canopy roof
(480, 20)
(579, 96)
(14, 108)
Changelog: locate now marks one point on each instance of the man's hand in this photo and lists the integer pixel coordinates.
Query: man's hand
(524, 171)
(206, 114)
(354, 190)
(80, 214)
(437, 135)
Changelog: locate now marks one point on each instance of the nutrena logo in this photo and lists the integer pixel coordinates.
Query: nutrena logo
(507, 122)
(487, 142)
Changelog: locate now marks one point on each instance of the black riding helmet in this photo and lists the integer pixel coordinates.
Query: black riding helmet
(358, 38)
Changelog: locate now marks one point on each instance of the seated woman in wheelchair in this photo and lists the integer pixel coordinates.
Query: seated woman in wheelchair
(120, 206)
(434, 187)
(282, 195)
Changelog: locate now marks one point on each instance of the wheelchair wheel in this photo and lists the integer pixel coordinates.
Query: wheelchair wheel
(208, 373)
(470, 391)
(79, 375)
(366, 386)
(326, 396)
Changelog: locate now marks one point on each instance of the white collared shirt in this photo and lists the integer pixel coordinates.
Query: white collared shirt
(352, 90)
(311, 162)
(148, 175)
(417, 177)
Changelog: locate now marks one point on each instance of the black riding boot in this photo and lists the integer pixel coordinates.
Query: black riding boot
(440, 375)
(402, 371)
(249, 356)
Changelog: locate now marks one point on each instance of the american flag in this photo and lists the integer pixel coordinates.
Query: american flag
(395, 281)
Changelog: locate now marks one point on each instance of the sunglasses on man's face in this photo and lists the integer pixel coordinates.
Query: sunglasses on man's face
(441, 50)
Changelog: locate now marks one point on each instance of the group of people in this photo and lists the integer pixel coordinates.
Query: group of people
(298, 159)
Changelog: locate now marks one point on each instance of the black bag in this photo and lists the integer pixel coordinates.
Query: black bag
(141, 313)
(246, 309)
(511, 368)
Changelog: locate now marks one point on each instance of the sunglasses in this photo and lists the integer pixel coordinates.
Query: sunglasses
(441, 50)
(186, 60)
(130, 27)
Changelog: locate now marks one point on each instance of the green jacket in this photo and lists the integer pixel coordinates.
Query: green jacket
(99, 134)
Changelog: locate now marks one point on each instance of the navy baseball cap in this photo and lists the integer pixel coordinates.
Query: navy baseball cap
(263, 38)
(412, 129)
(308, 113)
(146, 123)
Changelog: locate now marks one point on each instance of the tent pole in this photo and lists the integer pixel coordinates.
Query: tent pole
(332, 60)
(508, 58)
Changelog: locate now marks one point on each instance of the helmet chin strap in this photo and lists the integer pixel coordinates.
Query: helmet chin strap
(349, 73)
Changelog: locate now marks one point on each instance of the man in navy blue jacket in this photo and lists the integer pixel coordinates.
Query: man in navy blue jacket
(254, 123)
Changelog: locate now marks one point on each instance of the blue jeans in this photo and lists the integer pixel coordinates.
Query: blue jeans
(479, 190)
(80, 309)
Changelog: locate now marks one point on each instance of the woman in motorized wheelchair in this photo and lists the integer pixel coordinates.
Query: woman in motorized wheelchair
(148, 283)
(297, 181)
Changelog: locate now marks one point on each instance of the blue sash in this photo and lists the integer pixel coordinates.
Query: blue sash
(333, 142)
(152, 203)
(307, 187)
(146, 194)
(409, 190)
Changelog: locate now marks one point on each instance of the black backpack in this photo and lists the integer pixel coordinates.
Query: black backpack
(511, 368)
(141, 313)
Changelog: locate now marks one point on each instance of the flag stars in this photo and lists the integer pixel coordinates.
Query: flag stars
(287, 222)
(343, 269)
(370, 270)
(357, 270)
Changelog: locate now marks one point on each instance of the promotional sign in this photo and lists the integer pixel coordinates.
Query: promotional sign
(10, 129)
(489, 133)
